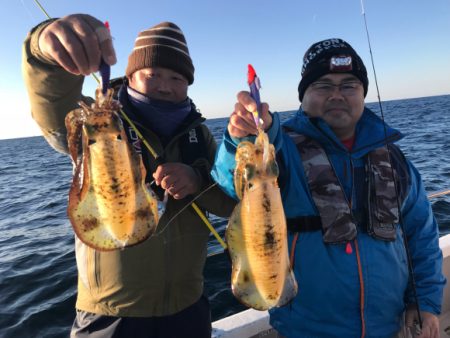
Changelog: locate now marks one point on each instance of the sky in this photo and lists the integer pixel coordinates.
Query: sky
(410, 42)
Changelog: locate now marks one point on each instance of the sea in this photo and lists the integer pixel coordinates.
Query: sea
(37, 263)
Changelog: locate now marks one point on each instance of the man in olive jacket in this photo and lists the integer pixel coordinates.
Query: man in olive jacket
(154, 289)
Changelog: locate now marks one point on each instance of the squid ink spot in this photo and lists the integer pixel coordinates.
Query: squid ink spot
(143, 213)
(89, 224)
(266, 203)
(269, 239)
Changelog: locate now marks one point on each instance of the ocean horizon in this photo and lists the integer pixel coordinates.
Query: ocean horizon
(212, 119)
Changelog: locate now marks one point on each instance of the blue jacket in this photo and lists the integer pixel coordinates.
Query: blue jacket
(331, 292)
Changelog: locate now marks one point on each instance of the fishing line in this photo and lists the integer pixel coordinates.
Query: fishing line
(400, 217)
(184, 208)
(28, 11)
(152, 151)
(42, 9)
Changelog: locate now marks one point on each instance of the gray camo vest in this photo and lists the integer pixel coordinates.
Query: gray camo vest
(338, 224)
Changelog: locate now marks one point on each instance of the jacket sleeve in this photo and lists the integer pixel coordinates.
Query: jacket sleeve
(224, 164)
(423, 240)
(213, 199)
(52, 91)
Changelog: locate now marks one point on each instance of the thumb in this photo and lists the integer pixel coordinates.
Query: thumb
(108, 52)
(410, 317)
(106, 46)
(265, 116)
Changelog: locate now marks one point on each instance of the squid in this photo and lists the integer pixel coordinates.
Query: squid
(110, 207)
(256, 233)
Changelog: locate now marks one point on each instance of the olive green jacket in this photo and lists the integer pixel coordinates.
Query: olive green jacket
(160, 276)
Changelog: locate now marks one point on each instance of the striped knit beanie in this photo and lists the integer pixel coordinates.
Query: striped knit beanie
(164, 46)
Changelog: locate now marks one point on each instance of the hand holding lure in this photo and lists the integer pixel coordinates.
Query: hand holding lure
(255, 85)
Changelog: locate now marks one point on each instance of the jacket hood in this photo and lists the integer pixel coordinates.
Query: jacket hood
(371, 132)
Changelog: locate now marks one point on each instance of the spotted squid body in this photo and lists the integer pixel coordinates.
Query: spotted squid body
(110, 206)
(256, 233)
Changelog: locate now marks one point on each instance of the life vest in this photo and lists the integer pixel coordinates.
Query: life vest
(336, 219)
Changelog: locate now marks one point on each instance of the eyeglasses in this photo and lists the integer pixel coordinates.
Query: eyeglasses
(345, 88)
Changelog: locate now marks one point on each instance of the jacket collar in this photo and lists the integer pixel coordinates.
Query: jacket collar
(193, 119)
(371, 132)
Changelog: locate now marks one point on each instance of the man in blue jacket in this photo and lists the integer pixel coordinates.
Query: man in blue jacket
(351, 201)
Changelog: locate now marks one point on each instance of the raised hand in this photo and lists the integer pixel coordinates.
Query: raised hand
(241, 122)
(178, 179)
(77, 43)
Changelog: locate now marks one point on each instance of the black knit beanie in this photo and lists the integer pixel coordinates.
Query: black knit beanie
(164, 46)
(331, 56)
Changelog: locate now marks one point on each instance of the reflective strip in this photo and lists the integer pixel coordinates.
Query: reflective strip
(163, 28)
(157, 44)
(160, 37)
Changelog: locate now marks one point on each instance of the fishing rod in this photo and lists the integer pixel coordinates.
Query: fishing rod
(152, 151)
(439, 193)
(400, 217)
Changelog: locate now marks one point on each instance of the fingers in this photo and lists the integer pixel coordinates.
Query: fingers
(77, 43)
(410, 317)
(106, 47)
(265, 116)
(428, 332)
(159, 174)
(178, 190)
(169, 181)
(56, 42)
(430, 324)
(242, 122)
(178, 179)
(54, 50)
(246, 101)
(166, 176)
(86, 51)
